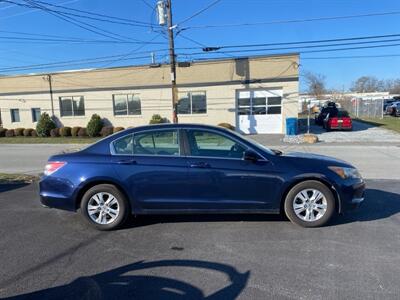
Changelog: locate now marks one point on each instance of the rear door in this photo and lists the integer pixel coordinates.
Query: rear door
(152, 167)
(221, 179)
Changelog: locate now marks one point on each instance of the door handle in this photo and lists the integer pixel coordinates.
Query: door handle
(202, 165)
(126, 162)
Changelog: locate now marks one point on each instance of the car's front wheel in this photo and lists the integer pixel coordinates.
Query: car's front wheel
(104, 207)
(310, 204)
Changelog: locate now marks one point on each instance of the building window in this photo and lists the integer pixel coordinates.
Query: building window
(251, 103)
(35, 114)
(72, 106)
(192, 103)
(126, 104)
(14, 115)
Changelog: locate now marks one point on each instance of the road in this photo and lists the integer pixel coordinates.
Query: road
(50, 254)
(374, 162)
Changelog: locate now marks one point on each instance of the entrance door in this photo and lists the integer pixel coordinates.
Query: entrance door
(259, 111)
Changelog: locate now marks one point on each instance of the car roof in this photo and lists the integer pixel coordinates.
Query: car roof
(175, 126)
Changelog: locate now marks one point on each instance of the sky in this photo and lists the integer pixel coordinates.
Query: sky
(18, 23)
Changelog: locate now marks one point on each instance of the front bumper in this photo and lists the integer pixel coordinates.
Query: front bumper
(352, 195)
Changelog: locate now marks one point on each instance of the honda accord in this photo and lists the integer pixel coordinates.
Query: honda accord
(189, 169)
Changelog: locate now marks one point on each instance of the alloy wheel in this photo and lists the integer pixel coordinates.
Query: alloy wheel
(103, 208)
(310, 205)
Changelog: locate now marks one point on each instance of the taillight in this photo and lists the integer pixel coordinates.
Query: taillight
(347, 121)
(333, 121)
(53, 166)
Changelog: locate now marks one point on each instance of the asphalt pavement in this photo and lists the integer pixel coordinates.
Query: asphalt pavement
(50, 254)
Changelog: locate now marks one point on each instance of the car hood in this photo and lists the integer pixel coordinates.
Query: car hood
(318, 157)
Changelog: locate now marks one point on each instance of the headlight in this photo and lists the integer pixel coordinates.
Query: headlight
(346, 172)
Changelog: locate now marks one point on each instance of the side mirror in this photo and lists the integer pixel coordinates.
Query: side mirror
(250, 155)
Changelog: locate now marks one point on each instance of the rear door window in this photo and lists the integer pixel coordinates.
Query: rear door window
(157, 142)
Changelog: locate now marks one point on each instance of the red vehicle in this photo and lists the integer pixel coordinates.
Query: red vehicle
(339, 120)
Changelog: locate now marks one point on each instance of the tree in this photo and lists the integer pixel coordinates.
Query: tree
(44, 125)
(392, 86)
(315, 84)
(367, 84)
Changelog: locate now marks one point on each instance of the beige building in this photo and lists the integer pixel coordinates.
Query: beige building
(255, 94)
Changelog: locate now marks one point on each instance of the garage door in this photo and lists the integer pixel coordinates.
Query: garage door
(259, 111)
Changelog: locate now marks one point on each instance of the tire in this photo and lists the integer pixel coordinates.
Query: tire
(300, 218)
(113, 214)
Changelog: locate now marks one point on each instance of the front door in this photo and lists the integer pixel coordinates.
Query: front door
(259, 111)
(221, 179)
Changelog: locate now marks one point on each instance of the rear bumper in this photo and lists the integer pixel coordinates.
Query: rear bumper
(56, 193)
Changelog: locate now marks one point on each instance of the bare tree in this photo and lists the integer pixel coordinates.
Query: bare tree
(367, 84)
(392, 86)
(316, 85)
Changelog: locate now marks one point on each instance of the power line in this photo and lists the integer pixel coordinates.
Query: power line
(200, 11)
(71, 20)
(97, 14)
(311, 41)
(27, 39)
(293, 21)
(300, 47)
(351, 57)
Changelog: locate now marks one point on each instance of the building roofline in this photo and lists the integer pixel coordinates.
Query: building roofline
(200, 61)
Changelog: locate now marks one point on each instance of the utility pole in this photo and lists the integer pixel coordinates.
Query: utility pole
(165, 10)
(49, 79)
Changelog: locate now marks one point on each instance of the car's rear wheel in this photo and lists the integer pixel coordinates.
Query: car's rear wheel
(310, 204)
(104, 207)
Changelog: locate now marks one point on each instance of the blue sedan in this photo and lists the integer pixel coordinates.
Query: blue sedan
(187, 168)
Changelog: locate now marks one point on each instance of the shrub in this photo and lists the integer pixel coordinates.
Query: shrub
(65, 131)
(44, 125)
(82, 132)
(106, 130)
(19, 131)
(94, 126)
(28, 132)
(55, 132)
(116, 129)
(10, 133)
(34, 133)
(157, 119)
(227, 125)
(75, 130)
(3, 132)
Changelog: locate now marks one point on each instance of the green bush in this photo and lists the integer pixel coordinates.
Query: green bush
(10, 133)
(94, 126)
(157, 119)
(227, 125)
(3, 132)
(75, 130)
(55, 132)
(34, 133)
(44, 125)
(19, 131)
(82, 132)
(28, 132)
(117, 129)
(65, 131)
(106, 130)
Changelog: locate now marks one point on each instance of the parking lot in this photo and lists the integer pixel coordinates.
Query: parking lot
(49, 254)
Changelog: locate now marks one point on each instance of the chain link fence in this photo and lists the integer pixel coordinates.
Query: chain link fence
(363, 108)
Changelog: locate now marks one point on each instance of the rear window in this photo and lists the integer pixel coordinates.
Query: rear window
(339, 114)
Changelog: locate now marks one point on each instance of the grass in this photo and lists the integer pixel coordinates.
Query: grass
(47, 140)
(16, 178)
(388, 122)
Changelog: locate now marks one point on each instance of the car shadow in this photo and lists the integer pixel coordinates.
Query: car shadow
(130, 282)
(5, 187)
(378, 204)
(148, 220)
